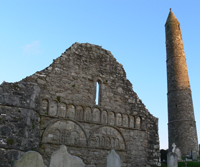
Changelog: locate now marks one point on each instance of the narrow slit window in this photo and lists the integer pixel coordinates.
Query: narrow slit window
(97, 93)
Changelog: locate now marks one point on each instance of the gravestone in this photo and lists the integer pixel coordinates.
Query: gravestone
(178, 153)
(172, 158)
(194, 155)
(30, 159)
(61, 158)
(113, 159)
(199, 149)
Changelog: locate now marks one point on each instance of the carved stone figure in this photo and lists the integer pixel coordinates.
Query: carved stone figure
(71, 112)
(107, 137)
(66, 132)
(111, 118)
(53, 108)
(62, 110)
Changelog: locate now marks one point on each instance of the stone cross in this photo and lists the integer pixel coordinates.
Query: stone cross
(174, 146)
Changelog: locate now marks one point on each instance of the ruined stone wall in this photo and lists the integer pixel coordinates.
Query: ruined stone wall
(19, 120)
(69, 114)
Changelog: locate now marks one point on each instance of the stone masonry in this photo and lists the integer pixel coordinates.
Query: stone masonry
(181, 121)
(58, 106)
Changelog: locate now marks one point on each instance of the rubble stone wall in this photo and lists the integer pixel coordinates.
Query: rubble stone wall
(70, 114)
(19, 120)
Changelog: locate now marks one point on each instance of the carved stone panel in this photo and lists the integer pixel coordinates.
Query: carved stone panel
(111, 118)
(125, 120)
(53, 108)
(119, 119)
(44, 106)
(132, 122)
(107, 137)
(62, 110)
(88, 114)
(104, 117)
(79, 112)
(96, 115)
(138, 122)
(71, 112)
(64, 132)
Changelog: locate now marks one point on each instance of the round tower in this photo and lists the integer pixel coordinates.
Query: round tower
(181, 121)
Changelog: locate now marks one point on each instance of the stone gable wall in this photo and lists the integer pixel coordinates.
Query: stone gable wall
(69, 114)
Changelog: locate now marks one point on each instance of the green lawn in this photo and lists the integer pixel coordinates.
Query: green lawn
(189, 164)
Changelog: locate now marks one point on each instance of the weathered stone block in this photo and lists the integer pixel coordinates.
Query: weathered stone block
(113, 159)
(30, 159)
(62, 158)
(172, 160)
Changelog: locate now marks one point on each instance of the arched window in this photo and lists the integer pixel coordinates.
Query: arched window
(97, 93)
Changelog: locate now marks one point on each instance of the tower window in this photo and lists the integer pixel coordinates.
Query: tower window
(167, 27)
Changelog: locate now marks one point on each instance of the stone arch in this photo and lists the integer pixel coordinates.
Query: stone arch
(88, 114)
(125, 120)
(62, 110)
(53, 108)
(104, 117)
(119, 119)
(75, 134)
(71, 111)
(111, 118)
(132, 122)
(79, 113)
(105, 133)
(138, 122)
(96, 115)
(44, 106)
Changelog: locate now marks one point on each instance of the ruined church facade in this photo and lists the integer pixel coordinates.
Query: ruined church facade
(82, 100)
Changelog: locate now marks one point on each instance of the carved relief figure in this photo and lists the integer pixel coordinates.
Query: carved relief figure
(71, 112)
(56, 136)
(53, 108)
(104, 117)
(62, 110)
(119, 119)
(97, 141)
(74, 138)
(125, 120)
(117, 146)
(65, 132)
(103, 141)
(107, 142)
(107, 137)
(96, 115)
(138, 123)
(111, 118)
(79, 113)
(88, 114)
(132, 122)
(113, 142)
(44, 106)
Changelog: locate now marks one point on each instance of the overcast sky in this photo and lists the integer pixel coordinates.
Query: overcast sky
(34, 32)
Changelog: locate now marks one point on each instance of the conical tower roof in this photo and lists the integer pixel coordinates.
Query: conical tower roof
(171, 18)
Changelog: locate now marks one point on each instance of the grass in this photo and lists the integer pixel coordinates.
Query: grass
(189, 164)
